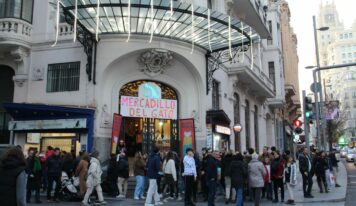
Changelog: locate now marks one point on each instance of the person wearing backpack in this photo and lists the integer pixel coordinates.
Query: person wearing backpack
(277, 174)
(123, 175)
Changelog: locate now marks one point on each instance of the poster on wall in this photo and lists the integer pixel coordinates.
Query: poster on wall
(209, 136)
(117, 120)
(186, 135)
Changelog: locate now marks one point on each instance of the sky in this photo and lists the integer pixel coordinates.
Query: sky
(302, 12)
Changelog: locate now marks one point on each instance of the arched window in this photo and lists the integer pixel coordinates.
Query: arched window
(257, 146)
(236, 121)
(20, 9)
(247, 124)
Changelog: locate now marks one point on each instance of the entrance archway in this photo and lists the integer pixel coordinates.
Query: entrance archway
(149, 118)
(6, 95)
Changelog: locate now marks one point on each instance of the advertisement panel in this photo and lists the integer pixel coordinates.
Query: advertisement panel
(331, 110)
(186, 135)
(116, 126)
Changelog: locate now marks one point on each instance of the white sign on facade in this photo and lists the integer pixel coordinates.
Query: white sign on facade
(48, 124)
(223, 130)
(209, 136)
(148, 104)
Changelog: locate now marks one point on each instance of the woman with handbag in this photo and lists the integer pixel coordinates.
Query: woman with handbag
(290, 175)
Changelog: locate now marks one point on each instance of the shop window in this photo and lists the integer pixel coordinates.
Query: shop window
(215, 95)
(20, 9)
(63, 77)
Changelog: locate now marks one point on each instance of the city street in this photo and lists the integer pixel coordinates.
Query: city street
(351, 184)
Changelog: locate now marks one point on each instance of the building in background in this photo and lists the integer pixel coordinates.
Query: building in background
(338, 46)
(67, 94)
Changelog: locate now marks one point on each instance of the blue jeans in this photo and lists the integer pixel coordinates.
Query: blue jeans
(140, 182)
(211, 194)
(239, 196)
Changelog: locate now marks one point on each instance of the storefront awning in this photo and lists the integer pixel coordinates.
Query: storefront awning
(136, 17)
(217, 117)
(23, 111)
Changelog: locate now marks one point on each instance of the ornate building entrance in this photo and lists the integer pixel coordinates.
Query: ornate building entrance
(150, 112)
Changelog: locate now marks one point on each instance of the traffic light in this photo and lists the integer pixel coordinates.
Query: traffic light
(298, 126)
(308, 107)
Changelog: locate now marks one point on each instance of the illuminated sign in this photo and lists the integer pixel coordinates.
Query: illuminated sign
(150, 90)
(222, 130)
(48, 124)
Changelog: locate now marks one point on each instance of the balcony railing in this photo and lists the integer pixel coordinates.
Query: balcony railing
(261, 9)
(15, 29)
(65, 31)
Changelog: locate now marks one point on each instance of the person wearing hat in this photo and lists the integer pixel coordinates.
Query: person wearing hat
(94, 180)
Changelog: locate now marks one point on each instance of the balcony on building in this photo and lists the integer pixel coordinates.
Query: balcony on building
(249, 70)
(253, 13)
(15, 23)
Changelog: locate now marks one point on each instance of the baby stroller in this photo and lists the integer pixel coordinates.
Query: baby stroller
(69, 188)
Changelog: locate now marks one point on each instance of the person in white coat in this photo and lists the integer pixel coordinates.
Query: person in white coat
(170, 175)
(94, 180)
(291, 179)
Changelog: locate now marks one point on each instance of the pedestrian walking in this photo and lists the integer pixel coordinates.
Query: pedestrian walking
(34, 173)
(306, 169)
(82, 172)
(153, 167)
(238, 174)
(54, 173)
(335, 167)
(321, 165)
(13, 178)
(170, 175)
(139, 172)
(229, 191)
(256, 173)
(211, 178)
(277, 174)
(190, 176)
(123, 175)
(94, 180)
(290, 175)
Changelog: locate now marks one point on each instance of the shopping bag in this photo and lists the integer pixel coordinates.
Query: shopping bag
(332, 179)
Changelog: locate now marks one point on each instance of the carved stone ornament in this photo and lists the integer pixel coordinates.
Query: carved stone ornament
(155, 61)
(20, 79)
(37, 74)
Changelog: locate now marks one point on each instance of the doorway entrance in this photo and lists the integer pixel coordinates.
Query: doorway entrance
(149, 117)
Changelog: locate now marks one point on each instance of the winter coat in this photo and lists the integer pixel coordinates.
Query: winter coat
(320, 165)
(94, 173)
(139, 167)
(211, 168)
(170, 168)
(290, 174)
(123, 168)
(68, 167)
(238, 173)
(54, 166)
(153, 166)
(277, 168)
(226, 162)
(33, 174)
(82, 172)
(256, 173)
(333, 161)
(304, 164)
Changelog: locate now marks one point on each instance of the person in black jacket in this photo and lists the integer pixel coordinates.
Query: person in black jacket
(335, 167)
(123, 175)
(34, 173)
(226, 162)
(68, 164)
(320, 165)
(211, 176)
(202, 172)
(306, 169)
(238, 173)
(54, 171)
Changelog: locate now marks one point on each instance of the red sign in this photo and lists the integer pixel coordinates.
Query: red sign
(116, 126)
(186, 135)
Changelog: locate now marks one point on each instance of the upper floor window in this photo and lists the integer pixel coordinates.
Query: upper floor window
(63, 77)
(215, 95)
(20, 9)
(272, 73)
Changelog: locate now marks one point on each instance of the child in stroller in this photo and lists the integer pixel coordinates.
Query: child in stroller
(70, 188)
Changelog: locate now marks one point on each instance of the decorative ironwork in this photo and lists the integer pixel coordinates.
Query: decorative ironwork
(87, 39)
(216, 60)
(131, 89)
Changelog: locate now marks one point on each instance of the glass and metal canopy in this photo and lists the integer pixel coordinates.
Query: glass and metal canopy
(210, 30)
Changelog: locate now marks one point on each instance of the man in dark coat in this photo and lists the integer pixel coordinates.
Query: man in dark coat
(54, 171)
(34, 174)
(238, 173)
(153, 167)
(211, 178)
(306, 169)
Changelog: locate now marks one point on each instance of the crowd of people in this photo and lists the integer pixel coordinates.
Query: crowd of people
(164, 176)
